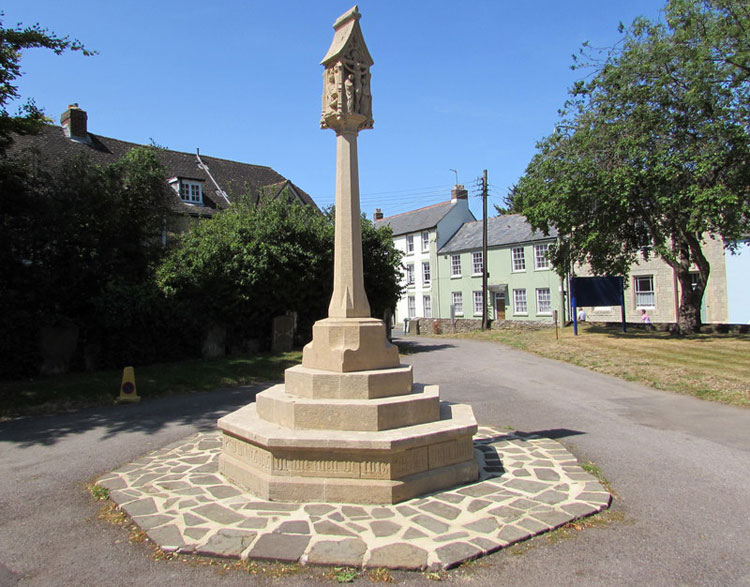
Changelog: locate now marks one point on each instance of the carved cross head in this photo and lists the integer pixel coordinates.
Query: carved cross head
(347, 101)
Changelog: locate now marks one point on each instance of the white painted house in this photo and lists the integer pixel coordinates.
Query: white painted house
(419, 234)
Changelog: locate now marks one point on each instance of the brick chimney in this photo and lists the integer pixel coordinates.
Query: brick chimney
(74, 122)
(459, 193)
(378, 214)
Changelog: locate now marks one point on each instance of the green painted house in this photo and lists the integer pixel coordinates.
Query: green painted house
(521, 285)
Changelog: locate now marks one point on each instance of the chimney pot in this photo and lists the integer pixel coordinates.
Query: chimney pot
(378, 214)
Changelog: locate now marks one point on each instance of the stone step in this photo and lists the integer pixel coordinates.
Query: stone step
(420, 406)
(300, 489)
(373, 383)
(387, 466)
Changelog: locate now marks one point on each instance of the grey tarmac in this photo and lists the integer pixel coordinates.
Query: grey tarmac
(680, 469)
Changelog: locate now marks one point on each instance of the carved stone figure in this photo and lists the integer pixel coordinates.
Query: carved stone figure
(347, 101)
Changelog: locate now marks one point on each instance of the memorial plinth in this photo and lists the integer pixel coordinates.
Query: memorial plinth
(348, 425)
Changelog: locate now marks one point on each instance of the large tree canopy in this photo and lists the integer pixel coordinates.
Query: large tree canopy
(652, 152)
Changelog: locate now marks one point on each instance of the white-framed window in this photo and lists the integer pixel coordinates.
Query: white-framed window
(412, 304)
(644, 291)
(458, 302)
(409, 244)
(543, 301)
(427, 303)
(191, 192)
(519, 261)
(426, 274)
(519, 302)
(540, 256)
(410, 274)
(455, 265)
(478, 302)
(425, 241)
(476, 263)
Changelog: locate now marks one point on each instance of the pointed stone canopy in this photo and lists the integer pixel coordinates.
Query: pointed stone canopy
(348, 424)
(347, 103)
(348, 36)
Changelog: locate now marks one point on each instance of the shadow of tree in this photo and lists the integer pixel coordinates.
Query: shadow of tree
(412, 348)
(638, 331)
(196, 409)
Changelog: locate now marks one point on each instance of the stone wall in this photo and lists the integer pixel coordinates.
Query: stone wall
(428, 326)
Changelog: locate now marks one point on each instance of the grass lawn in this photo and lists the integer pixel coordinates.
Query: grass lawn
(709, 366)
(78, 390)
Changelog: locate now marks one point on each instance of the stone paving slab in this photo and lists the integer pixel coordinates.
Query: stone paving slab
(528, 485)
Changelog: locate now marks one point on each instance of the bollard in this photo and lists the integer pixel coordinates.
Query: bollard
(128, 393)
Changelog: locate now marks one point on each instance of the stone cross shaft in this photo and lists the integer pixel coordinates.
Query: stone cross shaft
(349, 299)
(347, 108)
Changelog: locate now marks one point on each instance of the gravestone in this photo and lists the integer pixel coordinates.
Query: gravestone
(214, 341)
(57, 344)
(283, 334)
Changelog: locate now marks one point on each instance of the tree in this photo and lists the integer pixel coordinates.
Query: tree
(259, 260)
(509, 202)
(72, 235)
(650, 156)
(12, 42)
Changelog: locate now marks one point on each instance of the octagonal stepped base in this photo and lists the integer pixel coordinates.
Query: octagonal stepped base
(420, 406)
(372, 383)
(388, 466)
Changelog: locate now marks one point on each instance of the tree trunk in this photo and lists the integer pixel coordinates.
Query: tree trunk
(691, 297)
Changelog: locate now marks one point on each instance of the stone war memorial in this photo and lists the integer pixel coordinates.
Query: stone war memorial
(348, 424)
(349, 462)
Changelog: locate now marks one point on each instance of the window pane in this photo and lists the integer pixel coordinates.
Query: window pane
(519, 301)
(476, 261)
(458, 302)
(478, 302)
(455, 264)
(519, 261)
(412, 302)
(644, 291)
(543, 301)
(426, 273)
(540, 256)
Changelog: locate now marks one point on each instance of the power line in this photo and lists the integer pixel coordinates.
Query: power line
(409, 190)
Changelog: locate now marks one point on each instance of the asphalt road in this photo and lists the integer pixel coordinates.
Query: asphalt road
(680, 468)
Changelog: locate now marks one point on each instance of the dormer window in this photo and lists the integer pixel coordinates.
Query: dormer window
(191, 192)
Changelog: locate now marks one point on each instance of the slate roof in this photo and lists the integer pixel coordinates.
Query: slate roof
(232, 176)
(416, 220)
(501, 231)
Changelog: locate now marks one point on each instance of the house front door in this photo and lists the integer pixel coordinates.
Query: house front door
(499, 306)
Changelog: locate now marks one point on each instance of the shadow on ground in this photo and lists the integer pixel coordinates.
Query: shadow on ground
(197, 409)
(553, 433)
(412, 348)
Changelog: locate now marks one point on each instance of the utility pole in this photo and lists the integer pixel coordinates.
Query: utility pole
(484, 250)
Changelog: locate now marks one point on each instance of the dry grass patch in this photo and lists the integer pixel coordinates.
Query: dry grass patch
(709, 366)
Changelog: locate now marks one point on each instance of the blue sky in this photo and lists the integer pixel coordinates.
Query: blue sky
(466, 86)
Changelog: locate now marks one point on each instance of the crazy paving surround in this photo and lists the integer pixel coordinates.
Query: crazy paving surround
(527, 485)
